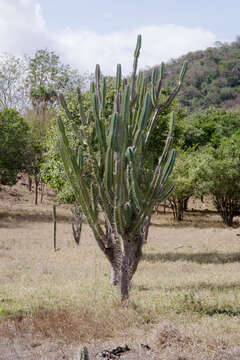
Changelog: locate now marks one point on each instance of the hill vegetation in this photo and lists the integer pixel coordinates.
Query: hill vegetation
(212, 79)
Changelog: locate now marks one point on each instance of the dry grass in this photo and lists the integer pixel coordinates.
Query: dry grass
(185, 299)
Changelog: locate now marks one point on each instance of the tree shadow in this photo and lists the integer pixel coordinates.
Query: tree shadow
(192, 218)
(8, 219)
(193, 287)
(200, 258)
(199, 224)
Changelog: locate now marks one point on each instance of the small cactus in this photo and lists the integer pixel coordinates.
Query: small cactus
(84, 354)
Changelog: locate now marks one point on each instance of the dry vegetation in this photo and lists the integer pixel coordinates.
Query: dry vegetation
(185, 299)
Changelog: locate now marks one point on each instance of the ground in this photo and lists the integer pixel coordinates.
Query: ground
(184, 301)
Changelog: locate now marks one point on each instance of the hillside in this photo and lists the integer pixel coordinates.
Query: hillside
(212, 79)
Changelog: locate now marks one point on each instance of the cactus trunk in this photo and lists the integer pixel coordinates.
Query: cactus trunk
(124, 262)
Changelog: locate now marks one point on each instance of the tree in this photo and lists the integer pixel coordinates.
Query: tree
(217, 174)
(184, 179)
(12, 78)
(14, 135)
(208, 127)
(45, 77)
(120, 185)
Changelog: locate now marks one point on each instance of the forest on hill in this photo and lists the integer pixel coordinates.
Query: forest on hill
(212, 79)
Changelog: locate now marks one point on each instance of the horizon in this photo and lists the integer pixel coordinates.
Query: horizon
(84, 34)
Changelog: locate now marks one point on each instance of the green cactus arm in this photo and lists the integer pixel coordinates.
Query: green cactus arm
(163, 194)
(153, 86)
(125, 111)
(118, 78)
(80, 195)
(72, 171)
(77, 130)
(176, 89)
(160, 78)
(142, 120)
(108, 204)
(94, 199)
(163, 175)
(100, 131)
(104, 92)
(169, 100)
(168, 167)
(138, 194)
(84, 354)
(135, 63)
(97, 83)
(81, 112)
(162, 179)
(148, 210)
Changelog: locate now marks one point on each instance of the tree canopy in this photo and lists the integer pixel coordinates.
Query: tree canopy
(14, 138)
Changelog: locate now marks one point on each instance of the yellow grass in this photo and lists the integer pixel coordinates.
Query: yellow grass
(185, 295)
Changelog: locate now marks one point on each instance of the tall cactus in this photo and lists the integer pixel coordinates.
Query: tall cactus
(122, 188)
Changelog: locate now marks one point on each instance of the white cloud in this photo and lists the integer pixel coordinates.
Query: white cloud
(23, 30)
(160, 43)
(22, 27)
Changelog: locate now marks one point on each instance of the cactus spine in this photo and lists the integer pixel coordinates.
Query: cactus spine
(120, 187)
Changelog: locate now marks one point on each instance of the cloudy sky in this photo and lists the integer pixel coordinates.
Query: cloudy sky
(86, 32)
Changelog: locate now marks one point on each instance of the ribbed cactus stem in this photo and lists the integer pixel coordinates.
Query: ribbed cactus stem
(135, 63)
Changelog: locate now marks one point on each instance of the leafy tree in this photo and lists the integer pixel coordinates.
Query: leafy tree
(208, 127)
(184, 179)
(46, 75)
(12, 78)
(119, 184)
(217, 174)
(14, 135)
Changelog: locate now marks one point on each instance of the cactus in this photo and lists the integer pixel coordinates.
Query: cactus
(121, 188)
(84, 354)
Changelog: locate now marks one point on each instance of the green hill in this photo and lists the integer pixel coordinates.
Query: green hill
(212, 79)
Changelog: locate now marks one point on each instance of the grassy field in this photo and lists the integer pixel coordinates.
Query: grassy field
(185, 298)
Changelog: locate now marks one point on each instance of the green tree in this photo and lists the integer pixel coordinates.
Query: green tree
(184, 179)
(12, 79)
(208, 127)
(14, 135)
(217, 174)
(46, 75)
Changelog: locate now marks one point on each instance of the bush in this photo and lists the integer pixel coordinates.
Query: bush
(13, 145)
(218, 174)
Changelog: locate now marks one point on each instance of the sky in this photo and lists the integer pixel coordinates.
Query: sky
(87, 32)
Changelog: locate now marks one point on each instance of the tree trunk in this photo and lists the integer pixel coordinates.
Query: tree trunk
(124, 256)
(77, 220)
(146, 228)
(227, 208)
(37, 180)
(185, 202)
(42, 190)
(177, 206)
(114, 255)
(29, 183)
(132, 254)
